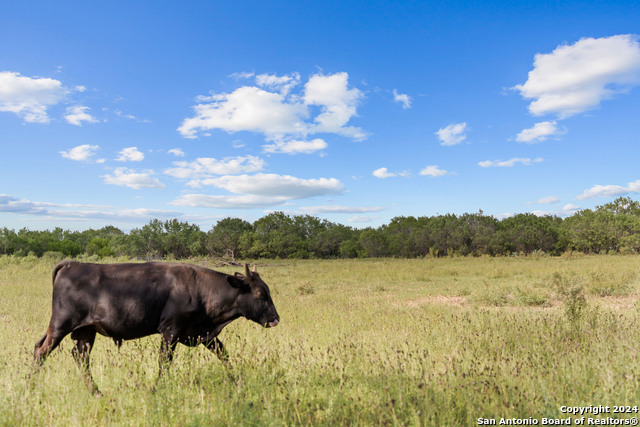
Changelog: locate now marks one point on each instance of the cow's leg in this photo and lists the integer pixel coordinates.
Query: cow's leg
(83, 339)
(167, 347)
(48, 342)
(38, 345)
(45, 345)
(38, 358)
(215, 345)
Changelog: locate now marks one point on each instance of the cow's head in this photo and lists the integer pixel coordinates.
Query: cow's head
(254, 301)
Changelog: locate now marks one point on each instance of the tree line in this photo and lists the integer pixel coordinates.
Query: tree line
(610, 228)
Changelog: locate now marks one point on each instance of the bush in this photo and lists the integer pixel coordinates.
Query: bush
(571, 292)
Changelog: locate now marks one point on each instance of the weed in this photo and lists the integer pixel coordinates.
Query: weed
(572, 295)
(531, 296)
(306, 289)
(492, 295)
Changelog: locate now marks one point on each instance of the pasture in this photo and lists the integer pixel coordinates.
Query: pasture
(366, 342)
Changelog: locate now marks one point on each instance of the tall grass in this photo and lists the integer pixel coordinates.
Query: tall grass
(364, 342)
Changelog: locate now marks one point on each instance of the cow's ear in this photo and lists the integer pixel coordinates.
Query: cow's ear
(239, 281)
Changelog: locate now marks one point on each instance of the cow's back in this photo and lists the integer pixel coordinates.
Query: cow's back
(123, 301)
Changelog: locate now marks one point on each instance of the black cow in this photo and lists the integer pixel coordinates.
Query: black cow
(184, 303)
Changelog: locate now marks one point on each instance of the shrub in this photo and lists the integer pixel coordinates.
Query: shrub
(572, 295)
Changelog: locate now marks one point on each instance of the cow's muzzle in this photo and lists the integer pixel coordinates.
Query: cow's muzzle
(273, 323)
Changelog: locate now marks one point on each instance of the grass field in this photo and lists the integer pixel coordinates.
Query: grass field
(438, 342)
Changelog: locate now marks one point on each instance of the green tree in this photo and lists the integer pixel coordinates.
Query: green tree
(67, 246)
(278, 236)
(224, 239)
(525, 233)
(621, 206)
(37, 242)
(449, 235)
(181, 239)
(405, 237)
(614, 226)
(8, 241)
(327, 241)
(99, 246)
(147, 241)
(374, 242)
(483, 237)
(589, 232)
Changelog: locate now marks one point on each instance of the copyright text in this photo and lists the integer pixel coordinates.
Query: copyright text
(580, 421)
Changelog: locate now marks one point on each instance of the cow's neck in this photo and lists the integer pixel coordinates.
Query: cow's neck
(220, 304)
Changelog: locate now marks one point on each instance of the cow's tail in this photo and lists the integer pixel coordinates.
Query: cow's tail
(60, 266)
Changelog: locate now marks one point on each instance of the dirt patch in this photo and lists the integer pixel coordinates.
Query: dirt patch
(618, 303)
(457, 301)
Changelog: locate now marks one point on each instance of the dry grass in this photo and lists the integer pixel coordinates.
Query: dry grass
(364, 342)
(455, 301)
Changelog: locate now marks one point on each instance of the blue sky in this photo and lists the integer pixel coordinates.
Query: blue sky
(354, 111)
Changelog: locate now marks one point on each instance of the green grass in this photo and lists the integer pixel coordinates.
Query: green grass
(362, 342)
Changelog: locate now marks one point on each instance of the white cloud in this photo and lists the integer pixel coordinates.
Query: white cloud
(549, 200)
(603, 191)
(29, 97)
(124, 115)
(578, 77)
(273, 185)
(362, 218)
(610, 190)
(227, 202)
(130, 116)
(205, 167)
(247, 109)
(269, 190)
(539, 132)
(433, 171)
(132, 179)
(570, 207)
(78, 114)
(314, 210)
(338, 104)
(509, 163)
(81, 152)
(295, 146)
(242, 75)
(80, 212)
(383, 173)
(280, 115)
(176, 152)
(452, 134)
(259, 190)
(130, 154)
(282, 84)
(402, 98)
(15, 205)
